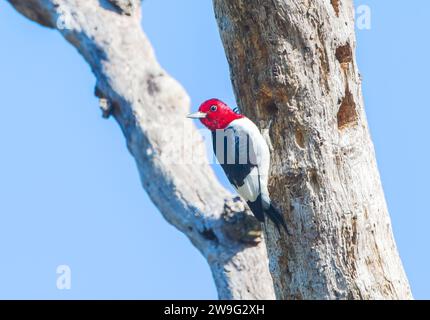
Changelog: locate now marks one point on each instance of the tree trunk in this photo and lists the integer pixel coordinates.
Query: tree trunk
(294, 72)
(150, 107)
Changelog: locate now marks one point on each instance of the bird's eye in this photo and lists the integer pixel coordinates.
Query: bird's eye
(213, 108)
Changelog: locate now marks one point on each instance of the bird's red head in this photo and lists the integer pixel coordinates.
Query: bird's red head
(215, 114)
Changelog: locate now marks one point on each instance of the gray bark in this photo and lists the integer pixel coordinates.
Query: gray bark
(294, 72)
(150, 108)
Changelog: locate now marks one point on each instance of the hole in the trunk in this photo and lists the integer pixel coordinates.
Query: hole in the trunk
(344, 54)
(336, 6)
(347, 115)
(272, 108)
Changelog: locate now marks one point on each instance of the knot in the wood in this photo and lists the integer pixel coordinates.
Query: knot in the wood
(104, 103)
(240, 224)
(127, 7)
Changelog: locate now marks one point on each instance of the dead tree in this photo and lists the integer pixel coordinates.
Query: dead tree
(294, 72)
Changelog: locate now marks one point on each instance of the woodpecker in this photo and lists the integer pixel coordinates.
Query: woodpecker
(243, 154)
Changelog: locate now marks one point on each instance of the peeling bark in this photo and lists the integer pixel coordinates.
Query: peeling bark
(294, 73)
(150, 108)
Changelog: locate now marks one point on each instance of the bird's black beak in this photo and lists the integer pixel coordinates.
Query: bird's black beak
(197, 115)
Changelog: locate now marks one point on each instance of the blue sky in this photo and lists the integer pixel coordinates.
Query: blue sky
(69, 190)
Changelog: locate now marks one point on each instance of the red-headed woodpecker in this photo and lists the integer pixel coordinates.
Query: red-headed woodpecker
(243, 154)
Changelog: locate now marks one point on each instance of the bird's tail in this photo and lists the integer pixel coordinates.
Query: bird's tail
(277, 218)
(261, 211)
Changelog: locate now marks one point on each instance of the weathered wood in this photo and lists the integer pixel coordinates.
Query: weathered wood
(150, 107)
(294, 72)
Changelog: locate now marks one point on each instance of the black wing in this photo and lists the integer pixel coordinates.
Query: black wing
(234, 152)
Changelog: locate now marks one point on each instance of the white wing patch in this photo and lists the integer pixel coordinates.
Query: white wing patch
(254, 183)
(251, 186)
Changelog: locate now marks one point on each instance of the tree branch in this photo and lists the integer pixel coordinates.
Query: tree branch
(150, 108)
